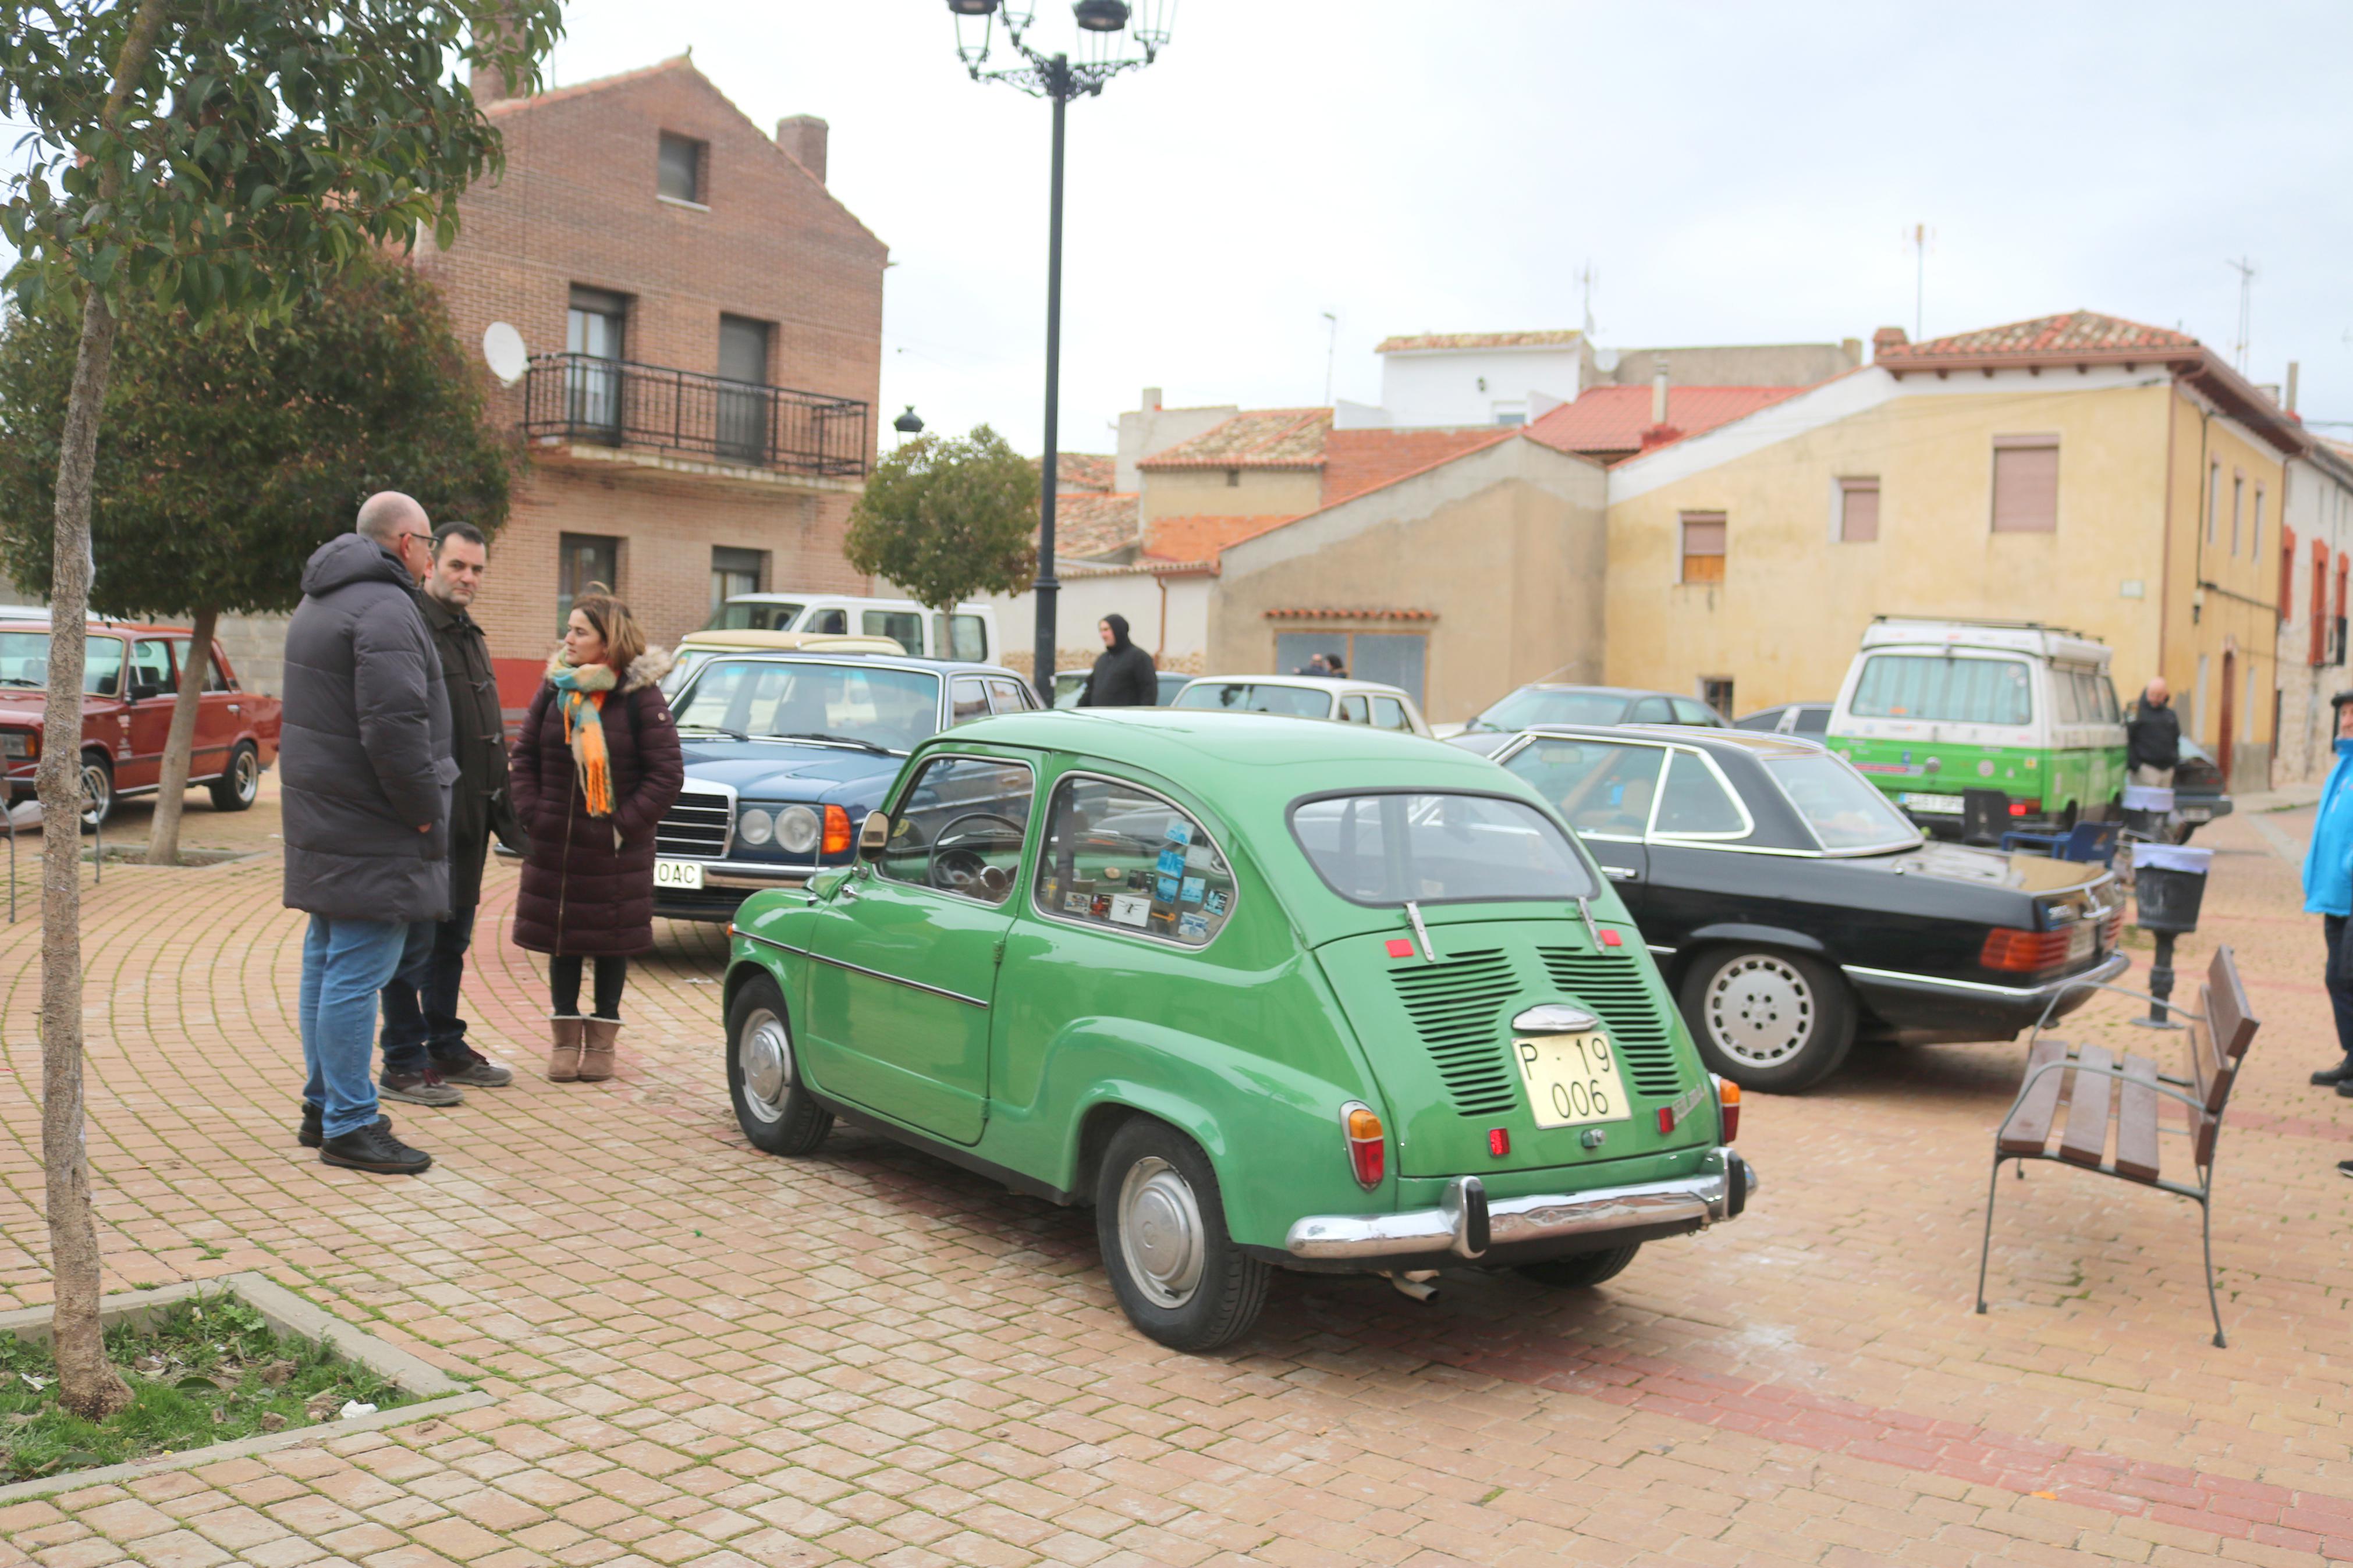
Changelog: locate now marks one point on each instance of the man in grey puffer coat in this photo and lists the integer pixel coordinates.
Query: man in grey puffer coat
(365, 766)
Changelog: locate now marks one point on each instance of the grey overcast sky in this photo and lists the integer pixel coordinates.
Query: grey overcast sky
(1733, 173)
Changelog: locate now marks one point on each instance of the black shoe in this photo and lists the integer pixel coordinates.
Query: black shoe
(2342, 1072)
(473, 1070)
(375, 1149)
(2345, 1167)
(2344, 1089)
(423, 1086)
(314, 1128)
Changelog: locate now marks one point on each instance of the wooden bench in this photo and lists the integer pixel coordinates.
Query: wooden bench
(2101, 1094)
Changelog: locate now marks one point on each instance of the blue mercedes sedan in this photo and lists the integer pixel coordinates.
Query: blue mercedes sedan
(787, 753)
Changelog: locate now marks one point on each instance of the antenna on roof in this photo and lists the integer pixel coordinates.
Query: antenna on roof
(1331, 347)
(2245, 268)
(1587, 277)
(1919, 240)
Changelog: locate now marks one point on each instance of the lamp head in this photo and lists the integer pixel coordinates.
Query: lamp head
(972, 7)
(910, 423)
(1101, 16)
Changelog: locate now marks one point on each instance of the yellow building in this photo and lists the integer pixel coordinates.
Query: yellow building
(2076, 469)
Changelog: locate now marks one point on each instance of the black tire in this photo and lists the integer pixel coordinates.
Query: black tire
(239, 784)
(1582, 1271)
(1154, 1184)
(776, 1115)
(97, 789)
(1766, 1019)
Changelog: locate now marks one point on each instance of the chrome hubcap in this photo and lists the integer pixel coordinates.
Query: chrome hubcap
(94, 793)
(1160, 1232)
(1760, 1011)
(766, 1051)
(248, 775)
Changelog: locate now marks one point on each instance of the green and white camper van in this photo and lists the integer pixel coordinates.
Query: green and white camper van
(1930, 708)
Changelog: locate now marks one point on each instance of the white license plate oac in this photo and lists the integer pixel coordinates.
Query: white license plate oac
(1572, 1080)
(682, 874)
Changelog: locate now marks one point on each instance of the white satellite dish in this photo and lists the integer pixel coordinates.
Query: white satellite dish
(502, 350)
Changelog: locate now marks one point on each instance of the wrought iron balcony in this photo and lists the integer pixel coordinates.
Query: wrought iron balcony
(618, 403)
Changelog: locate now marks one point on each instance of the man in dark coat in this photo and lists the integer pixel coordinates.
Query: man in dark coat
(2153, 737)
(365, 767)
(426, 1056)
(1124, 675)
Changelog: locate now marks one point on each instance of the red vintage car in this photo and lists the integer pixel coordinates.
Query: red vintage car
(131, 676)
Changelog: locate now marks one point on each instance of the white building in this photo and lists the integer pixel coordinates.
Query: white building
(2317, 546)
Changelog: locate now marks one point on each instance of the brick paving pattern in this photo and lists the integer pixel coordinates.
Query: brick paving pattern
(703, 1356)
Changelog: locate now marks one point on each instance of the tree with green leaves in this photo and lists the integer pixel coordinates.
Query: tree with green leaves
(946, 519)
(234, 450)
(223, 157)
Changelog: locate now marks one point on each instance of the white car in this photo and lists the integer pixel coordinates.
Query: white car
(968, 634)
(1307, 697)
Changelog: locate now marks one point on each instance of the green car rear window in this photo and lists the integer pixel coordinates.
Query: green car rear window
(1396, 849)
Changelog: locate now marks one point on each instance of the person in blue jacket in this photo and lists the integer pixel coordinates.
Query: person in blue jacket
(2328, 893)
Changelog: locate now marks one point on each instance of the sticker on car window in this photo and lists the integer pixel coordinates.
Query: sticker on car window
(1193, 927)
(1216, 902)
(1078, 903)
(1192, 890)
(1172, 862)
(1129, 910)
(1165, 890)
(1180, 832)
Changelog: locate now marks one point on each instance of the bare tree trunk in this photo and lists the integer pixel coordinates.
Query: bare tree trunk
(163, 837)
(87, 1384)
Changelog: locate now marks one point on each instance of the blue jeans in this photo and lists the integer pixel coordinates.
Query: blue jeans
(344, 965)
(421, 1026)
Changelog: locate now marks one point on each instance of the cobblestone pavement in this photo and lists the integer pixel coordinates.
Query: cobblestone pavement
(701, 1355)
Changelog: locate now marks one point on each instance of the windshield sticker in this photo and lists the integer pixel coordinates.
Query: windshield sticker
(1193, 927)
(1100, 907)
(1180, 832)
(1216, 902)
(1191, 891)
(1172, 862)
(1201, 857)
(1077, 903)
(1165, 890)
(1129, 910)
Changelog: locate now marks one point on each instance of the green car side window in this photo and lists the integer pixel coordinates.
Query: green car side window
(960, 829)
(1122, 858)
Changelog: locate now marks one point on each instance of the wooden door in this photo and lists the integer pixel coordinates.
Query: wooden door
(2230, 722)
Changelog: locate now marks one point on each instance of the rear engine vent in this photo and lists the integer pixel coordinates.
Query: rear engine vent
(1458, 1006)
(1613, 986)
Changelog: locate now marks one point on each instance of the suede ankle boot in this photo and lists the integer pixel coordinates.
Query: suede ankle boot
(563, 1054)
(597, 1058)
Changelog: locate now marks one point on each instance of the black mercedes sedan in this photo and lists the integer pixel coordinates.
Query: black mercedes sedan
(1794, 909)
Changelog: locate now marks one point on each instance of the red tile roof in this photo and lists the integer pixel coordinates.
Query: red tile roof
(1088, 524)
(1356, 461)
(1611, 418)
(1258, 438)
(2076, 332)
(1083, 470)
(1428, 340)
(1201, 538)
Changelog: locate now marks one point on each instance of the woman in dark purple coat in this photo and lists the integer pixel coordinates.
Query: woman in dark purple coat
(596, 765)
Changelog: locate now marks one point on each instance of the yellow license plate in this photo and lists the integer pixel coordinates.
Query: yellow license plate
(1572, 1080)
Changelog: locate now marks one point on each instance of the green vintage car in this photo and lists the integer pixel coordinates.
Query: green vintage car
(1269, 993)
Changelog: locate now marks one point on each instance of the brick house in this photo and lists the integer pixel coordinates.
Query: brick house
(703, 319)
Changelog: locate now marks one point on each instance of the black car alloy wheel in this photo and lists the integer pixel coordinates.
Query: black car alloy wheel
(1766, 1019)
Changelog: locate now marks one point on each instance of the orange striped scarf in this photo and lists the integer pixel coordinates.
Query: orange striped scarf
(580, 693)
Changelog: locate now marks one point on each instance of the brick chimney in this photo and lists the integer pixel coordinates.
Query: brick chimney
(489, 86)
(802, 136)
(1887, 337)
(1658, 389)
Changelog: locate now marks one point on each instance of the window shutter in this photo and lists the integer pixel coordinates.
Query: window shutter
(2025, 485)
(1702, 546)
(2319, 601)
(2286, 597)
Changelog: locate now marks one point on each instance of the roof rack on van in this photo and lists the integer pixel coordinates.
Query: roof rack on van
(1992, 623)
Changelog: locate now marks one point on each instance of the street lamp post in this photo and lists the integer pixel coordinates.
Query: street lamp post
(1058, 78)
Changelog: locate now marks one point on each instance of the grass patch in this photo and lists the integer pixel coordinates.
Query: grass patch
(203, 1372)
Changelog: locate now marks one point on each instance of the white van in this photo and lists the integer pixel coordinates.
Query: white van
(968, 633)
(1932, 708)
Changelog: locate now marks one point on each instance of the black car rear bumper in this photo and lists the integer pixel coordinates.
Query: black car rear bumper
(1925, 1008)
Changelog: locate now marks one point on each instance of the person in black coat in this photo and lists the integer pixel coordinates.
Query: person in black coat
(426, 1056)
(1124, 675)
(366, 765)
(2153, 736)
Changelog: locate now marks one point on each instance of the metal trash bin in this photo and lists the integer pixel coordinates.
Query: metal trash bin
(2148, 810)
(2169, 885)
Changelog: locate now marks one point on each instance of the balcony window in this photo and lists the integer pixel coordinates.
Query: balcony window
(1858, 519)
(681, 174)
(2026, 484)
(594, 334)
(743, 401)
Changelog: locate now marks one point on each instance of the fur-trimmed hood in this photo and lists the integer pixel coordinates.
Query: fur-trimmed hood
(646, 670)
